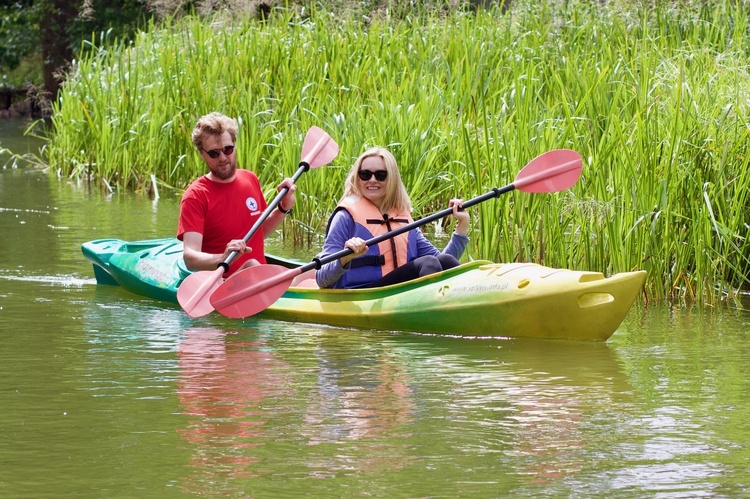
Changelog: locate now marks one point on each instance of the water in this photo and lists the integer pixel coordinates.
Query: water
(106, 394)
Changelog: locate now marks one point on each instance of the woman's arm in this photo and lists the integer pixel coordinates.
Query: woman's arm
(340, 231)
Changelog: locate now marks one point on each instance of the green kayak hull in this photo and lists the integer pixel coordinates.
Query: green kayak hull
(476, 299)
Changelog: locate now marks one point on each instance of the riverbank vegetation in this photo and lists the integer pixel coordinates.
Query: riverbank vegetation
(654, 97)
(39, 39)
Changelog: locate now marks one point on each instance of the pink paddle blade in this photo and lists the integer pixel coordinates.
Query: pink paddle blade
(252, 290)
(552, 171)
(319, 149)
(194, 292)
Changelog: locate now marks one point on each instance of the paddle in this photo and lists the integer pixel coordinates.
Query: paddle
(194, 292)
(254, 289)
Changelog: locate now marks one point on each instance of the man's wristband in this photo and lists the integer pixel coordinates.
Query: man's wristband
(282, 210)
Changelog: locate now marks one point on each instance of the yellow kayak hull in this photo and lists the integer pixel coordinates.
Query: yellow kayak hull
(478, 299)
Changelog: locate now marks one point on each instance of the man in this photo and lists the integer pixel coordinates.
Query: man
(219, 208)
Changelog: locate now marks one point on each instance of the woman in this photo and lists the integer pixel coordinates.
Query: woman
(375, 201)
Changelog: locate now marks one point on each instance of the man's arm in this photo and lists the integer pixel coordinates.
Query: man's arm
(286, 205)
(272, 222)
(195, 259)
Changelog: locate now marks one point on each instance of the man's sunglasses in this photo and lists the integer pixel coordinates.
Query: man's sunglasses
(214, 153)
(365, 175)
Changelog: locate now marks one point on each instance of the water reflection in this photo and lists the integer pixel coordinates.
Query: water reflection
(222, 386)
(518, 415)
(363, 400)
(534, 401)
(366, 402)
(401, 398)
(688, 370)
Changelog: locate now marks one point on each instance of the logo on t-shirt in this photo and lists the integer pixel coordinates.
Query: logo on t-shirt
(251, 204)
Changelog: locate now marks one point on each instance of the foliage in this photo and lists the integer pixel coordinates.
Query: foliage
(22, 30)
(108, 21)
(18, 43)
(654, 97)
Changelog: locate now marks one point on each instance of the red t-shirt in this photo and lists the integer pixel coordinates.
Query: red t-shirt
(224, 211)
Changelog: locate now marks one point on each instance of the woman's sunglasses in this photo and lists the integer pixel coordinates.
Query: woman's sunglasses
(365, 175)
(214, 153)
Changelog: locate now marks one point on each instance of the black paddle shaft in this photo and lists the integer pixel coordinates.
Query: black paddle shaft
(303, 167)
(316, 263)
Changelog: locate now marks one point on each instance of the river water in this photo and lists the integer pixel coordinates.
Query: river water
(106, 394)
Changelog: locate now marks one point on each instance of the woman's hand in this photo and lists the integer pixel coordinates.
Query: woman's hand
(358, 247)
(463, 217)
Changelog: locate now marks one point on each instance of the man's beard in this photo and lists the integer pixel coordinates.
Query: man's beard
(224, 174)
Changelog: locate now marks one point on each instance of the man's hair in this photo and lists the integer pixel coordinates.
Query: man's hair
(213, 124)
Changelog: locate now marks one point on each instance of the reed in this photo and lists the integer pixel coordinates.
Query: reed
(654, 98)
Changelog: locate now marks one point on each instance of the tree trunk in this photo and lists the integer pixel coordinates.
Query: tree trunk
(56, 17)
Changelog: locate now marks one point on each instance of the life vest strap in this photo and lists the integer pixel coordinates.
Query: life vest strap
(367, 260)
(381, 221)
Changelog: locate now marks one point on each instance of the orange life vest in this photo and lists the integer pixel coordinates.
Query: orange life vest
(394, 251)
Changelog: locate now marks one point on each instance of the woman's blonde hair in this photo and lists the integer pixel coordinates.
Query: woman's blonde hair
(395, 197)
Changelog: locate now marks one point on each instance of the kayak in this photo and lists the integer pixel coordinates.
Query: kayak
(475, 299)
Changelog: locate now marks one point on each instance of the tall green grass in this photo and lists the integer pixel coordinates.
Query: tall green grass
(655, 98)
